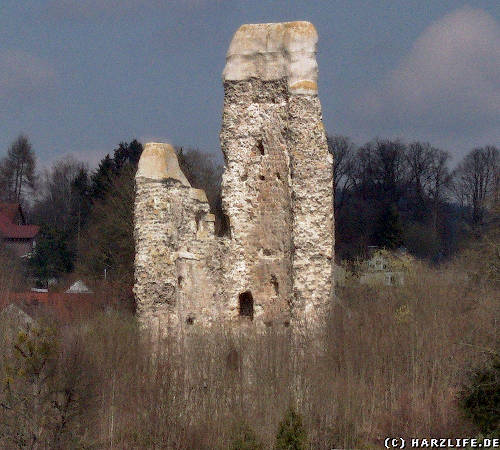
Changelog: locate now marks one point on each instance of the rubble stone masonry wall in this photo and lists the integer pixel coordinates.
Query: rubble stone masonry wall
(276, 267)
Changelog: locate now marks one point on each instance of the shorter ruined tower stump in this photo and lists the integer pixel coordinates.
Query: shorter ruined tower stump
(173, 232)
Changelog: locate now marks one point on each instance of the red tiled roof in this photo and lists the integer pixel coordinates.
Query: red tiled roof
(31, 297)
(64, 306)
(9, 229)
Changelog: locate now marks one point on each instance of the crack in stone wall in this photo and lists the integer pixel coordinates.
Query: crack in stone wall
(276, 268)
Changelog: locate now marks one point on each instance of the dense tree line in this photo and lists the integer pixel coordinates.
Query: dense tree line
(71, 201)
(387, 193)
(391, 194)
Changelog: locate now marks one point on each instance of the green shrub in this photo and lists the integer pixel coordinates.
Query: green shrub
(45, 390)
(481, 398)
(246, 439)
(291, 433)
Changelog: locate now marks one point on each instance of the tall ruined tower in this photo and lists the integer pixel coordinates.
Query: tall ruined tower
(275, 268)
(277, 187)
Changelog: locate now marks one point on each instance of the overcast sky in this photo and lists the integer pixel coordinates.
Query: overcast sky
(79, 76)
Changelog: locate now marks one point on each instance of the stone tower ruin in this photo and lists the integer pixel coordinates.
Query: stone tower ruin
(276, 266)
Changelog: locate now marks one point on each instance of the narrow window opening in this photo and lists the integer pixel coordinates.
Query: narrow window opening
(260, 147)
(198, 216)
(223, 226)
(262, 177)
(180, 281)
(246, 304)
(278, 176)
(276, 285)
(286, 323)
(190, 320)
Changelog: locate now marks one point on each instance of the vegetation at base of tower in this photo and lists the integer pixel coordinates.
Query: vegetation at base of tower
(291, 433)
(245, 439)
(44, 389)
(414, 359)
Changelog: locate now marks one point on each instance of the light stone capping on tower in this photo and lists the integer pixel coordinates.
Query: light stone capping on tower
(277, 193)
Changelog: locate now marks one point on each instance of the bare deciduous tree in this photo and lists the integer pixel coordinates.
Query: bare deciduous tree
(45, 390)
(419, 158)
(428, 176)
(475, 179)
(56, 196)
(439, 181)
(342, 150)
(379, 169)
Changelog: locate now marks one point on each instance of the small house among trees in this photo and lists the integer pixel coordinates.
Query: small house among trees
(386, 268)
(15, 234)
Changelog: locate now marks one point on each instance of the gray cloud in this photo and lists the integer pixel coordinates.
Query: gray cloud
(23, 74)
(448, 84)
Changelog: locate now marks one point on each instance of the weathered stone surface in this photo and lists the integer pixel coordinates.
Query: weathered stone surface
(313, 228)
(275, 51)
(277, 266)
(256, 197)
(159, 162)
(277, 187)
(173, 229)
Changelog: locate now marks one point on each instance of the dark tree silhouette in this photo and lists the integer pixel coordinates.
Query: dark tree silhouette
(475, 179)
(17, 170)
(342, 150)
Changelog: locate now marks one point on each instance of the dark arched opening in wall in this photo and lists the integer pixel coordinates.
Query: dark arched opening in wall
(222, 225)
(246, 304)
